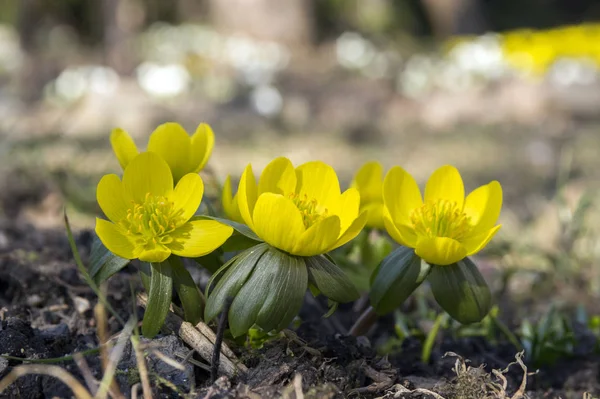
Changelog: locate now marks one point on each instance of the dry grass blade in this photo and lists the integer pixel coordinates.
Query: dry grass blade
(104, 339)
(115, 357)
(52, 371)
(171, 362)
(88, 377)
(142, 369)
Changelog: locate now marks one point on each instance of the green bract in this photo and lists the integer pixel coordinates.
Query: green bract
(267, 287)
(459, 288)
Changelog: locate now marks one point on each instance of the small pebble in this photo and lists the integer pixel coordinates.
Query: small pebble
(34, 300)
(82, 305)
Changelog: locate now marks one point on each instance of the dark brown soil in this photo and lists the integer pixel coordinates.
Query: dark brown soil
(46, 312)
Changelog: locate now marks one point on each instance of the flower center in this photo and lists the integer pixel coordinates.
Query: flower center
(441, 218)
(151, 221)
(309, 209)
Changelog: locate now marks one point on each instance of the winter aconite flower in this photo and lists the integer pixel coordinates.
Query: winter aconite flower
(294, 216)
(149, 219)
(369, 183)
(230, 202)
(183, 154)
(444, 226)
(300, 211)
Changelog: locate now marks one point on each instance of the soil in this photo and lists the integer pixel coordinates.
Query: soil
(46, 311)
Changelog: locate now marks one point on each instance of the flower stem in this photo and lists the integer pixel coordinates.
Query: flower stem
(364, 322)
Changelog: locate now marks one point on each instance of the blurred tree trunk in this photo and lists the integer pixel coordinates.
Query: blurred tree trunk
(286, 21)
(28, 26)
(455, 17)
(122, 20)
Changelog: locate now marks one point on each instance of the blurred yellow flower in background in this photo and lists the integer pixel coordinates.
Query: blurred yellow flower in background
(369, 183)
(230, 202)
(300, 210)
(149, 219)
(183, 154)
(444, 227)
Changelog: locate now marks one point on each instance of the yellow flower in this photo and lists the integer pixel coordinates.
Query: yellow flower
(183, 154)
(150, 220)
(230, 202)
(446, 227)
(300, 211)
(369, 183)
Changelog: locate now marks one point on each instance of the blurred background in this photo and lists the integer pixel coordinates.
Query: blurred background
(503, 89)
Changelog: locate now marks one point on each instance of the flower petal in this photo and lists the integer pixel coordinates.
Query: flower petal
(123, 146)
(188, 194)
(402, 234)
(229, 202)
(352, 231)
(278, 177)
(445, 183)
(348, 208)
(147, 173)
(173, 144)
(318, 181)
(278, 221)
(477, 243)
(156, 254)
(369, 182)
(483, 206)
(440, 250)
(246, 195)
(114, 239)
(111, 198)
(400, 195)
(199, 237)
(203, 142)
(375, 210)
(318, 238)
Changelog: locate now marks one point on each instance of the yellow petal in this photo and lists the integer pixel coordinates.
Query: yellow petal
(402, 234)
(246, 196)
(445, 183)
(400, 195)
(440, 250)
(477, 243)
(147, 173)
(114, 239)
(199, 237)
(188, 194)
(203, 142)
(111, 198)
(483, 206)
(278, 177)
(375, 210)
(123, 146)
(318, 181)
(352, 231)
(348, 208)
(173, 144)
(318, 238)
(156, 254)
(369, 182)
(278, 221)
(229, 207)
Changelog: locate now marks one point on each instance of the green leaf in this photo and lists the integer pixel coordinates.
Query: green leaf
(238, 242)
(240, 228)
(330, 280)
(461, 291)
(159, 299)
(273, 294)
(191, 298)
(145, 270)
(104, 263)
(212, 261)
(398, 275)
(232, 277)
